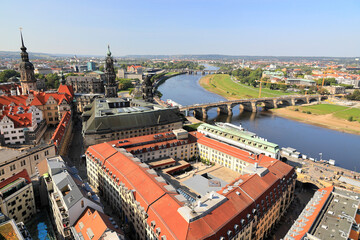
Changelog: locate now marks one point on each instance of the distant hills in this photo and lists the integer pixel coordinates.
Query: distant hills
(34, 55)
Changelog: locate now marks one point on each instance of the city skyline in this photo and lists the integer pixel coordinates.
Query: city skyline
(273, 28)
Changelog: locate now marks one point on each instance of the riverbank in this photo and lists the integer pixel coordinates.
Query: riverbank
(225, 86)
(162, 79)
(326, 121)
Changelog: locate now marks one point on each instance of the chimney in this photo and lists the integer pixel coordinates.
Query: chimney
(256, 165)
(199, 203)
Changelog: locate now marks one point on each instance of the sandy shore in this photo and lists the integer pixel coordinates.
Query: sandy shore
(326, 121)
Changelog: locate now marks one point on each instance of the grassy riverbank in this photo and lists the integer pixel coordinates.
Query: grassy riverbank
(324, 115)
(223, 85)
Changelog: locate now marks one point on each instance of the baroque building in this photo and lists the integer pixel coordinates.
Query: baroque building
(110, 76)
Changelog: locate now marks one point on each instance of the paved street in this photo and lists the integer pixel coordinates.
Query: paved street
(76, 149)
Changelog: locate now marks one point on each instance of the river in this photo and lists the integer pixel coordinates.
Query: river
(307, 139)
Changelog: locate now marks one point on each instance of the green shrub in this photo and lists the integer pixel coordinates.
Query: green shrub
(296, 109)
(351, 118)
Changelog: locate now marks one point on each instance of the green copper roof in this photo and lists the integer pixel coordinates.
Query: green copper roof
(242, 134)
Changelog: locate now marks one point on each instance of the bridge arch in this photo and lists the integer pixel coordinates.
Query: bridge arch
(312, 100)
(283, 103)
(300, 101)
(322, 98)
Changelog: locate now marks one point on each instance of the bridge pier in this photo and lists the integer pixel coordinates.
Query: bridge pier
(275, 103)
(250, 107)
(204, 113)
(198, 113)
(293, 102)
(225, 109)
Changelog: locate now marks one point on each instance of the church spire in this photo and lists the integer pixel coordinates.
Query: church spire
(109, 53)
(24, 54)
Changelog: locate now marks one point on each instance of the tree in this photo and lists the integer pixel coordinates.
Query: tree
(39, 76)
(125, 83)
(6, 74)
(52, 81)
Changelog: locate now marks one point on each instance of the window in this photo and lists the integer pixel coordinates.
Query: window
(2, 172)
(49, 114)
(46, 152)
(12, 167)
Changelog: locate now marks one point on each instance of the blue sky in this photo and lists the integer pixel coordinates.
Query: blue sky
(232, 27)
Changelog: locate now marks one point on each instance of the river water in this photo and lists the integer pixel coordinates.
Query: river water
(307, 139)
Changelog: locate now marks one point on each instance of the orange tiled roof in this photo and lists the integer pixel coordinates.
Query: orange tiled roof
(60, 129)
(19, 119)
(162, 206)
(97, 221)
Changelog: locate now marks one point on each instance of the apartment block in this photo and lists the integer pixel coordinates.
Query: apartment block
(17, 197)
(68, 196)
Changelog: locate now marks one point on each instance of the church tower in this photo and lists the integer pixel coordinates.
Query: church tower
(27, 77)
(110, 76)
(147, 89)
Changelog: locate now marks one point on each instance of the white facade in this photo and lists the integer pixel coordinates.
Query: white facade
(14, 135)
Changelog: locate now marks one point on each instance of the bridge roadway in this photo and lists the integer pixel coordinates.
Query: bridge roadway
(225, 107)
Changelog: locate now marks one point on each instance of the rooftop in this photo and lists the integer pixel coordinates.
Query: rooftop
(113, 114)
(332, 213)
(180, 208)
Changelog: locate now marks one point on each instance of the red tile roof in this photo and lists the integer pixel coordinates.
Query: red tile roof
(97, 221)
(22, 174)
(162, 206)
(67, 90)
(60, 129)
(19, 119)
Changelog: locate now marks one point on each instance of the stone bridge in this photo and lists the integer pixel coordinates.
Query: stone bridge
(194, 71)
(225, 107)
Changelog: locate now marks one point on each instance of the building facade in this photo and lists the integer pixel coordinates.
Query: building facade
(85, 84)
(17, 197)
(14, 161)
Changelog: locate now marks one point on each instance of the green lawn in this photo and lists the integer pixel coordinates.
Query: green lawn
(223, 85)
(342, 112)
(351, 112)
(322, 109)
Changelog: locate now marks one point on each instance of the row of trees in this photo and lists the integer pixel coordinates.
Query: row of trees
(7, 74)
(248, 76)
(52, 80)
(354, 96)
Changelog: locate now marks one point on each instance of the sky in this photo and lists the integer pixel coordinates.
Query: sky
(230, 27)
